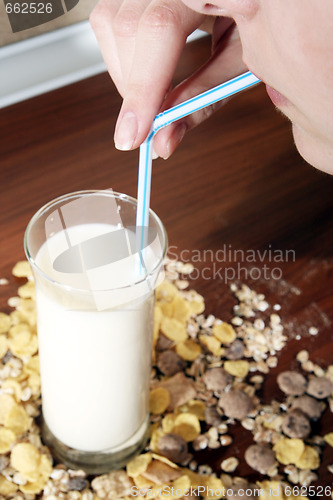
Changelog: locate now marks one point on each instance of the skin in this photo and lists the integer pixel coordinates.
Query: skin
(287, 44)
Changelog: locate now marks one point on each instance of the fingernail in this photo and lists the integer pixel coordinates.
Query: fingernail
(126, 131)
(154, 155)
(175, 139)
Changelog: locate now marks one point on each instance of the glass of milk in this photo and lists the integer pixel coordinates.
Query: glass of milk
(95, 274)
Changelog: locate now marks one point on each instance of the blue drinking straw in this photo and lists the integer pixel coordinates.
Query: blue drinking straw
(171, 115)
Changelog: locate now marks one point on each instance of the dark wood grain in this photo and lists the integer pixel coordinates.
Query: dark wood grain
(236, 180)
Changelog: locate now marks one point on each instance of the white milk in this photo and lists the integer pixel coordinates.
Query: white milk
(95, 364)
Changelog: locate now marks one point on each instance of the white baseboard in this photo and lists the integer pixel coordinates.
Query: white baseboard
(50, 61)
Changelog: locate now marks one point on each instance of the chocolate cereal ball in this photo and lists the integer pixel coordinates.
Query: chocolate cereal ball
(260, 458)
(320, 387)
(212, 416)
(296, 424)
(173, 447)
(236, 404)
(169, 363)
(292, 383)
(217, 379)
(235, 350)
(309, 406)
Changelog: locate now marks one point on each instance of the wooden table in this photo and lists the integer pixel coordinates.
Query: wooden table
(236, 182)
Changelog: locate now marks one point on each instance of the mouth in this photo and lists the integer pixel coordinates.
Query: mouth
(277, 99)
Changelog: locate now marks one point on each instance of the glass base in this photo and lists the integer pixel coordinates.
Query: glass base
(97, 462)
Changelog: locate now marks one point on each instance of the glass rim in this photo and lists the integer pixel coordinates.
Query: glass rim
(77, 194)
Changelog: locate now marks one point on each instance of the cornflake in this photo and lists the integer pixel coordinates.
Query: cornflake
(17, 420)
(173, 329)
(4, 322)
(188, 350)
(22, 269)
(212, 344)
(224, 332)
(7, 439)
(35, 467)
(239, 368)
(7, 488)
(309, 459)
(289, 451)
(195, 407)
(138, 465)
(159, 400)
(329, 438)
(187, 426)
(3, 345)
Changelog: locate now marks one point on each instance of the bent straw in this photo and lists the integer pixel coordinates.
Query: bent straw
(171, 115)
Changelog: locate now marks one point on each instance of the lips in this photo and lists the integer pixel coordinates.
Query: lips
(277, 99)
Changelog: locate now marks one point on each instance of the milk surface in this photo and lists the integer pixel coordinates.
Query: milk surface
(95, 364)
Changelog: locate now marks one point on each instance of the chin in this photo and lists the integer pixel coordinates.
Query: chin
(314, 151)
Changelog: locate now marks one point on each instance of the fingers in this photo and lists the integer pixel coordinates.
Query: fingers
(161, 35)
(224, 64)
(141, 42)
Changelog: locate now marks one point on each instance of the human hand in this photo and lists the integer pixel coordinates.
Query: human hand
(141, 42)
